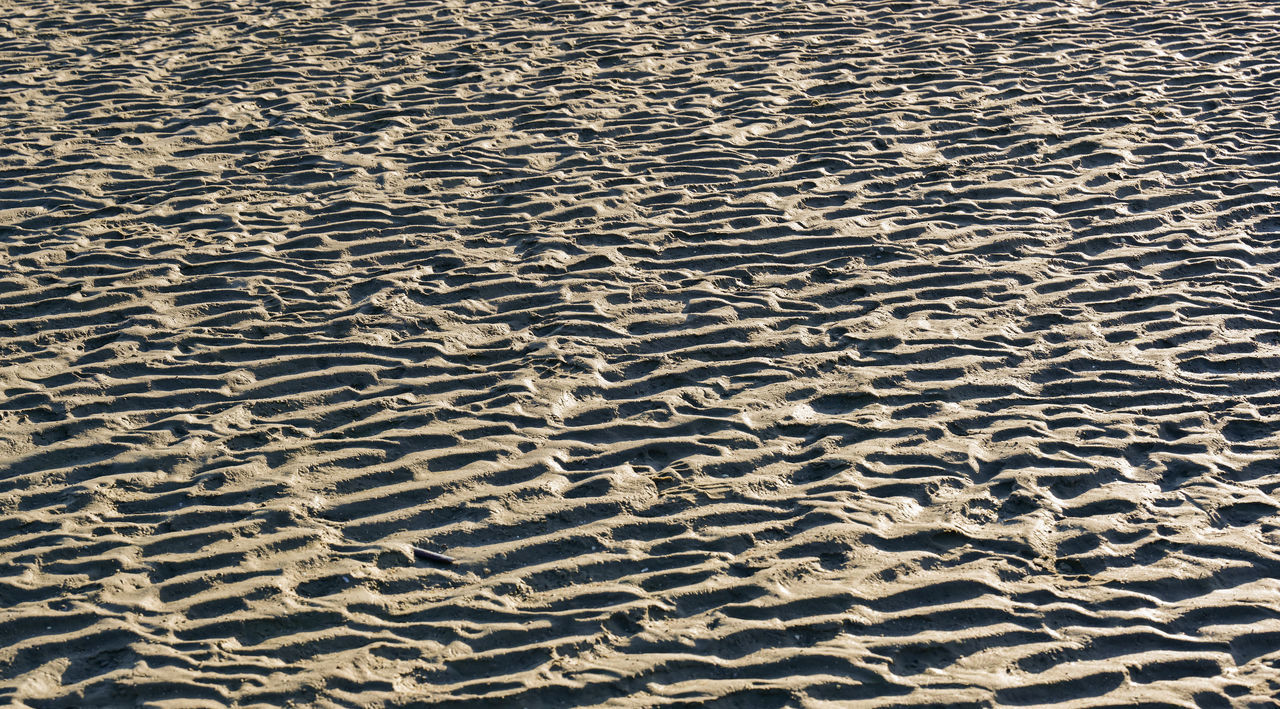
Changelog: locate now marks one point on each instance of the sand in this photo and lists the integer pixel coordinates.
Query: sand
(754, 354)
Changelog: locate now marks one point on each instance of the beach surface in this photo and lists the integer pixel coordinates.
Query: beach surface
(742, 354)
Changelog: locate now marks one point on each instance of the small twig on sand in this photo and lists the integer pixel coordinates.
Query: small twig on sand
(425, 555)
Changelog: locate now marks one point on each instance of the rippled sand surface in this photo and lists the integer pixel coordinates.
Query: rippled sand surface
(744, 354)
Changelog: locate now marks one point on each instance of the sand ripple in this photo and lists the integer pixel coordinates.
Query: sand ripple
(745, 354)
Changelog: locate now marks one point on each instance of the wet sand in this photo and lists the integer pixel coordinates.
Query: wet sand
(743, 354)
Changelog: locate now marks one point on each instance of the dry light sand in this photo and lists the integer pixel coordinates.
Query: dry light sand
(745, 354)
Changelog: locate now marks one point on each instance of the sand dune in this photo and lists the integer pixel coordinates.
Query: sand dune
(742, 353)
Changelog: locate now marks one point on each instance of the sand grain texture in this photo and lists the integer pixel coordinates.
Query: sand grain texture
(743, 353)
